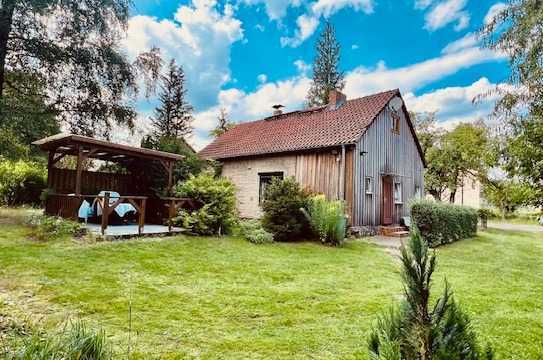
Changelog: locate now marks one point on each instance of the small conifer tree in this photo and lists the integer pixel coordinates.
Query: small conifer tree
(415, 330)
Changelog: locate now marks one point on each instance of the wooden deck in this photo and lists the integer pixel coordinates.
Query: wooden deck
(127, 231)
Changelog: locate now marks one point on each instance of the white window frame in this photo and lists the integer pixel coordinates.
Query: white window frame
(368, 188)
(398, 193)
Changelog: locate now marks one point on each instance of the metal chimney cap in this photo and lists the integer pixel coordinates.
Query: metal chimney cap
(278, 106)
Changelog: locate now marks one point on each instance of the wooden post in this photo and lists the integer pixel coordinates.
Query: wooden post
(50, 165)
(170, 177)
(79, 170)
(105, 213)
(342, 174)
(171, 214)
(141, 221)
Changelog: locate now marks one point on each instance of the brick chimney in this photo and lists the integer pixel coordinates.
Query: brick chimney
(336, 98)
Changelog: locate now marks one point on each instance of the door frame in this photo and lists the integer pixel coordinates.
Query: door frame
(387, 180)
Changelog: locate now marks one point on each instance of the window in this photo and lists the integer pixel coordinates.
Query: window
(397, 192)
(395, 123)
(265, 180)
(368, 185)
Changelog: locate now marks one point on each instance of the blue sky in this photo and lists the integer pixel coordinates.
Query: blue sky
(246, 55)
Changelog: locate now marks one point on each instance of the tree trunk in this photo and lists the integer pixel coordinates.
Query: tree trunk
(6, 18)
(452, 196)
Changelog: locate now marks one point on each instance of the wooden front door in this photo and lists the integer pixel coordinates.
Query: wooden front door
(387, 204)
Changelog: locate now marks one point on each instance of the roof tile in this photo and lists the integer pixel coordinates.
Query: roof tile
(300, 130)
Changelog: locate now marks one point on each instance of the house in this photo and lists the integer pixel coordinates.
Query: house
(363, 151)
(468, 193)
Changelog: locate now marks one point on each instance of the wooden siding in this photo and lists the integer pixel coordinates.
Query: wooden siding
(382, 152)
(63, 182)
(320, 172)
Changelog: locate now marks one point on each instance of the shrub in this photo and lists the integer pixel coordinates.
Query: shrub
(52, 227)
(327, 219)
(416, 330)
(253, 231)
(441, 223)
(283, 217)
(218, 212)
(78, 343)
(21, 182)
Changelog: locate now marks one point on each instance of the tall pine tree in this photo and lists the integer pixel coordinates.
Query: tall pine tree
(173, 117)
(326, 75)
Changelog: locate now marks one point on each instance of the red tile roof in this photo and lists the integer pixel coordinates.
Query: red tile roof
(300, 130)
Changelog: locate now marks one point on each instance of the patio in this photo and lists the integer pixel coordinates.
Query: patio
(103, 199)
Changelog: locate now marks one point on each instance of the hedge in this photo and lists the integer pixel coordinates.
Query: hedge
(441, 223)
(21, 182)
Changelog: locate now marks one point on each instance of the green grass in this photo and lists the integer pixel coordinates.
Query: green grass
(203, 297)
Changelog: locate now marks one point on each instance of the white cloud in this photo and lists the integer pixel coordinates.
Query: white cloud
(447, 12)
(306, 27)
(308, 23)
(199, 38)
(262, 78)
(455, 105)
(260, 27)
(422, 4)
(493, 11)
(354, 47)
(330, 7)
(362, 80)
(470, 40)
(302, 66)
(275, 9)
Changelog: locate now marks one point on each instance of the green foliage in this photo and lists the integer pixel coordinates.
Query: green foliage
(253, 231)
(416, 330)
(26, 116)
(508, 195)
(173, 117)
(182, 170)
(524, 154)
(441, 223)
(326, 76)
(21, 182)
(76, 343)
(516, 31)
(464, 151)
(327, 219)
(283, 217)
(73, 47)
(218, 213)
(52, 227)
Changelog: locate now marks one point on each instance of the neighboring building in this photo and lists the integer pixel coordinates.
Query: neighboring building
(469, 193)
(363, 151)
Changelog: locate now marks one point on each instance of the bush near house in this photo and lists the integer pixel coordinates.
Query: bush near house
(253, 231)
(218, 214)
(283, 217)
(52, 227)
(441, 223)
(327, 219)
(21, 182)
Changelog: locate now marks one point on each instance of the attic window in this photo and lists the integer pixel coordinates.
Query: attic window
(395, 123)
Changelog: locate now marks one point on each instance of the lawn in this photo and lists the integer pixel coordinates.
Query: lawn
(195, 297)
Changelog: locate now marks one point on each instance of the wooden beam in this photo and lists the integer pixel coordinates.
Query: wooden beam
(105, 213)
(79, 171)
(50, 165)
(342, 174)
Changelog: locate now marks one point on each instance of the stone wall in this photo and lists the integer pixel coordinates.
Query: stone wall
(244, 174)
